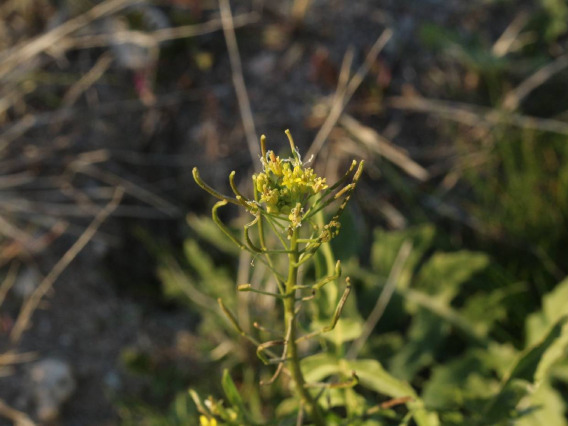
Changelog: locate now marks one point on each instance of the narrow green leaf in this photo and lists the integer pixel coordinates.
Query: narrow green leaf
(233, 395)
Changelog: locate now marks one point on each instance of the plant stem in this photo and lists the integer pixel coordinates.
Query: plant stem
(308, 401)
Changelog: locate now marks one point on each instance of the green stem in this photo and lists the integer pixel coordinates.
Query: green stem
(308, 401)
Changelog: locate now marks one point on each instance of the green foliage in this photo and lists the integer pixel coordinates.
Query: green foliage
(451, 364)
(557, 18)
(474, 376)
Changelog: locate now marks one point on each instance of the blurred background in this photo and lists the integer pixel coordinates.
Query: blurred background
(459, 109)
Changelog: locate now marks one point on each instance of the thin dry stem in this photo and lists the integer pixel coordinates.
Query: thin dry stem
(23, 53)
(342, 97)
(8, 282)
(85, 82)
(19, 418)
(154, 37)
(380, 145)
(505, 43)
(514, 98)
(36, 297)
(238, 79)
(475, 115)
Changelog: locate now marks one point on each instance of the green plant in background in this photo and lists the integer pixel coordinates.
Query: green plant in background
(288, 199)
(444, 333)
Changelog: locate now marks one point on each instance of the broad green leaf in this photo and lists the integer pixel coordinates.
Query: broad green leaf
(530, 363)
(425, 335)
(483, 309)
(446, 312)
(345, 330)
(543, 407)
(554, 306)
(372, 375)
(462, 385)
(555, 352)
(317, 367)
(443, 273)
(386, 246)
(499, 357)
(530, 370)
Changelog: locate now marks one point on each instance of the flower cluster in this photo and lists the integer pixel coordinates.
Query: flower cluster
(286, 183)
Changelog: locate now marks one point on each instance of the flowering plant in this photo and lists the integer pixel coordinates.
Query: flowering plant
(289, 198)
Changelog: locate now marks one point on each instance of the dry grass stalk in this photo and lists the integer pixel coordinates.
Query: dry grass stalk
(25, 52)
(381, 146)
(85, 82)
(514, 98)
(343, 94)
(474, 115)
(238, 79)
(31, 304)
(510, 36)
(157, 36)
(19, 418)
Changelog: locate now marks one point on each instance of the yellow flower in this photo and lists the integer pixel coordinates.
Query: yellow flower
(284, 184)
(207, 421)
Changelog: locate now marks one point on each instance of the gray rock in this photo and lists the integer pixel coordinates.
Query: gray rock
(52, 383)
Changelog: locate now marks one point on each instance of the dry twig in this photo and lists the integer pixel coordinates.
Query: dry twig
(514, 98)
(383, 147)
(156, 37)
(33, 301)
(343, 96)
(474, 115)
(505, 43)
(19, 418)
(23, 53)
(238, 79)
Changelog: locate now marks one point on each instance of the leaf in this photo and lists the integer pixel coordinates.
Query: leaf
(425, 335)
(555, 352)
(443, 273)
(453, 383)
(483, 309)
(317, 367)
(371, 375)
(206, 229)
(445, 311)
(233, 396)
(554, 306)
(543, 407)
(386, 246)
(530, 369)
(345, 330)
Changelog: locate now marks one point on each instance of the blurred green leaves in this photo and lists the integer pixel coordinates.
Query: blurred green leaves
(439, 354)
